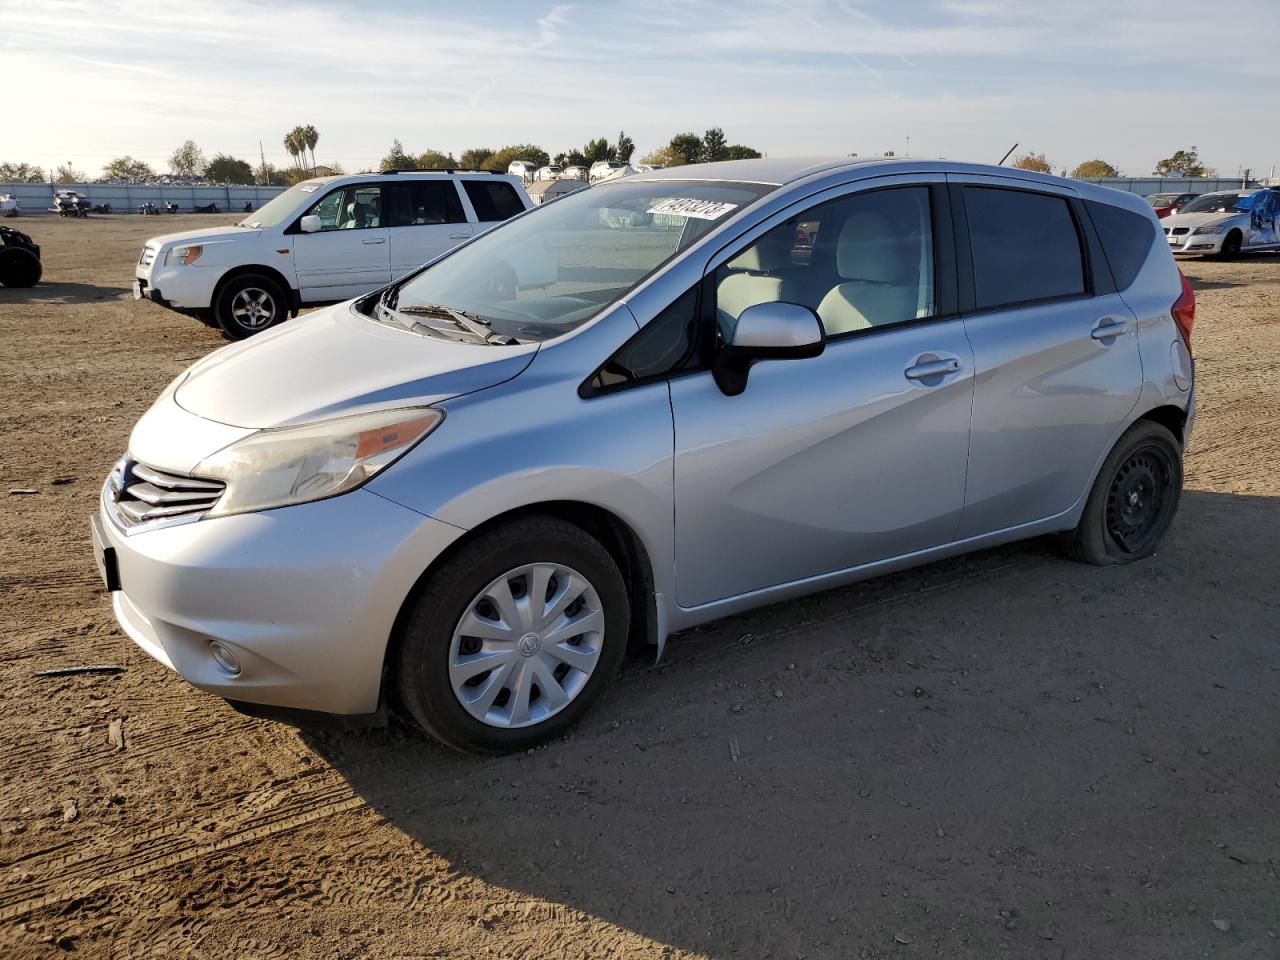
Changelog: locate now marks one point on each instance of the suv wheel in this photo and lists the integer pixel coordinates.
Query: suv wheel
(1133, 501)
(512, 640)
(249, 304)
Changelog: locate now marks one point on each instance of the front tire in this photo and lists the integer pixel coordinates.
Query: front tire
(1231, 246)
(1133, 500)
(249, 304)
(514, 638)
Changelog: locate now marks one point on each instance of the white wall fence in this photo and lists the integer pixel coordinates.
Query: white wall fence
(127, 197)
(1146, 186)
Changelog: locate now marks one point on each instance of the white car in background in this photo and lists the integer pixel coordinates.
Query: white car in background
(649, 167)
(549, 172)
(322, 241)
(604, 169)
(9, 205)
(574, 173)
(1226, 224)
(524, 169)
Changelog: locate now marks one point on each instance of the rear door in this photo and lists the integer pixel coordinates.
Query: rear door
(349, 255)
(425, 219)
(1055, 348)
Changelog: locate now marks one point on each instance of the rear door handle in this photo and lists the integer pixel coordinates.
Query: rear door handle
(459, 236)
(1109, 327)
(367, 242)
(932, 368)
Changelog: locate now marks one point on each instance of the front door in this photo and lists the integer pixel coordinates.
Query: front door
(1058, 370)
(1264, 219)
(350, 255)
(847, 458)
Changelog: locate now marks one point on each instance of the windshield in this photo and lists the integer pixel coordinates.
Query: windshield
(277, 210)
(1162, 199)
(1213, 203)
(545, 273)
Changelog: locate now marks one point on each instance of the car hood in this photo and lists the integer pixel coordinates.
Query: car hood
(336, 362)
(200, 236)
(1199, 219)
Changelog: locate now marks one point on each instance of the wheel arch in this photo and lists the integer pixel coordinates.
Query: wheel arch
(613, 533)
(295, 300)
(1172, 418)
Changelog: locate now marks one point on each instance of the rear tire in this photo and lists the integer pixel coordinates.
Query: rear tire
(429, 662)
(19, 267)
(1133, 500)
(249, 304)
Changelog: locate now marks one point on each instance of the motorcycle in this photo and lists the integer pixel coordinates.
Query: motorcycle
(148, 209)
(207, 208)
(170, 207)
(68, 203)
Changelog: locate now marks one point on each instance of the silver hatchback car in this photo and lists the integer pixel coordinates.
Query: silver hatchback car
(711, 388)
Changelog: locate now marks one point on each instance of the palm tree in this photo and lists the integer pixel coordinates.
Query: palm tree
(310, 137)
(292, 144)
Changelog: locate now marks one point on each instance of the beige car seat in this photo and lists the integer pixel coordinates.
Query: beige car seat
(880, 273)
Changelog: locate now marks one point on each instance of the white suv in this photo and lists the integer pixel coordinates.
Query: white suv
(324, 240)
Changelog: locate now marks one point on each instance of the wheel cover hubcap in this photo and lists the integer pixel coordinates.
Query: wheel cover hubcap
(253, 308)
(1138, 499)
(526, 645)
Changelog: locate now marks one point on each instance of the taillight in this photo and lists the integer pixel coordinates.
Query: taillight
(1184, 310)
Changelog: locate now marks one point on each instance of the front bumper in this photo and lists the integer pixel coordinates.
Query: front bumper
(179, 288)
(304, 597)
(1197, 243)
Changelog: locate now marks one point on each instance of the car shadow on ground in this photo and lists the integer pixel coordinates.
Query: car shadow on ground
(1006, 751)
(62, 293)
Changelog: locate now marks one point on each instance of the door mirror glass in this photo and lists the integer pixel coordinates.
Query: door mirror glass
(310, 224)
(774, 330)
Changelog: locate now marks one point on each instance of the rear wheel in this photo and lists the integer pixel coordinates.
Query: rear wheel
(249, 304)
(1133, 501)
(514, 638)
(19, 267)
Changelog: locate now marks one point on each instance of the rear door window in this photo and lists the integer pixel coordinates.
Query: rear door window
(1126, 239)
(493, 200)
(420, 203)
(1025, 247)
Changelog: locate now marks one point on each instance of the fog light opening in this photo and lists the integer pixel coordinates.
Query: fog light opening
(224, 658)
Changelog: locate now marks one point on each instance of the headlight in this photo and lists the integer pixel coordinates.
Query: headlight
(274, 468)
(184, 256)
(1210, 228)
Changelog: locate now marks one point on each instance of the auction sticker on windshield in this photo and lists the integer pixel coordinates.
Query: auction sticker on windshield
(689, 207)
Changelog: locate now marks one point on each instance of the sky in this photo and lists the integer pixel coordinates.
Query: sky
(1127, 82)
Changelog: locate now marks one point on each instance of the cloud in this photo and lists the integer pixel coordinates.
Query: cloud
(549, 26)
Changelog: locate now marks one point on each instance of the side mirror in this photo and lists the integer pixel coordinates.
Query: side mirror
(767, 331)
(310, 224)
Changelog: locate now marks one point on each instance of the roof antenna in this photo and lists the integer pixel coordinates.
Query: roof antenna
(1006, 156)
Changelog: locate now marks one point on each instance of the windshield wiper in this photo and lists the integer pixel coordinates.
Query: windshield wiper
(469, 325)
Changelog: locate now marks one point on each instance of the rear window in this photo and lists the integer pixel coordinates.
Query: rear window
(1126, 239)
(1025, 247)
(493, 200)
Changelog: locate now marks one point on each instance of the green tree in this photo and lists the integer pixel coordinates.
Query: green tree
(474, 158)
(688, 146)
(20, 173)
(309, 136)
(397, 159)
(436, 160)
(736, 151)
(713, 146)
(1092, 169)
(127, 168)
(664, 156)
(187, 160)
(598, 149)
(67, 173)
(624, 148)
(1033, 161)
(570, 158)
(293, 143)
(520, 151)
(1183, 163)
(272, 176)
(226, 169)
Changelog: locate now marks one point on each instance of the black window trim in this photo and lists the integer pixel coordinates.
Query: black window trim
(1090, 250)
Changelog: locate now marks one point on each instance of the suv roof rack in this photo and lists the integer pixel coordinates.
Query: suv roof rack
(439, 170)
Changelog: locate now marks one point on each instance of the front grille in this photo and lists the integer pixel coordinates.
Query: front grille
(148, 255)
(1179, 231)
(143, 494)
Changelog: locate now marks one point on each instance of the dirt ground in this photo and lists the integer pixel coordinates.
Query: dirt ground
(1002, 755)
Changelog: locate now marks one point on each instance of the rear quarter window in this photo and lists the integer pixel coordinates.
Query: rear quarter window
(1025, 247)
(1126, 239)
(493, 200)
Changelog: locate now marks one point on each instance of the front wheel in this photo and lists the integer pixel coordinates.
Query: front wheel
(249, 304)
(514, 638)
(1231, 245)
(1133, 500)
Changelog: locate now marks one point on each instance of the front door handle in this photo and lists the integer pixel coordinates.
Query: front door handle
(367, 242)
(459, 236)
(932, 368)
(1109, 327)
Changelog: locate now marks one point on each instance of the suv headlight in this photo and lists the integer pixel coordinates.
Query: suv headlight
(184, 255)
(1210, 228)
(288, 465)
